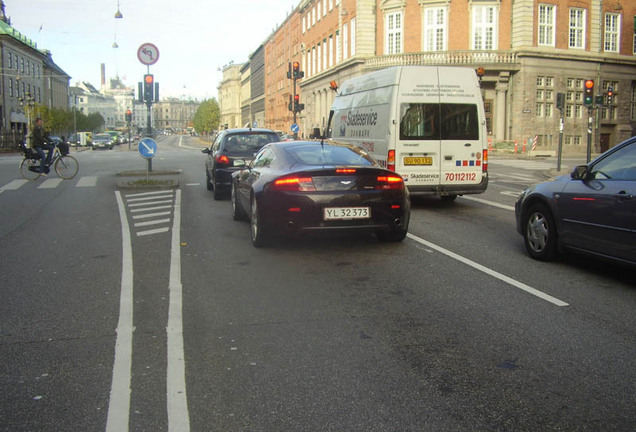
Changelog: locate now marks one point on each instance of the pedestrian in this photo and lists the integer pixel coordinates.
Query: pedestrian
(41, 142)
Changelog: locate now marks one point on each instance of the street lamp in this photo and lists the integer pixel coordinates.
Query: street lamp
(118, 14)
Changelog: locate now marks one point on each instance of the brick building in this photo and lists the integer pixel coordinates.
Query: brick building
(530, 52)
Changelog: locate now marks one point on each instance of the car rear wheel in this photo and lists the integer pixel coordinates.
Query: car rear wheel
(217, 193)
(539, 233)
(208, 180)
(391, 236)
(237, 211)
(259, 234)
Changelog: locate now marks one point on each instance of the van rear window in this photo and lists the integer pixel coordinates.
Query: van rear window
(426, 121)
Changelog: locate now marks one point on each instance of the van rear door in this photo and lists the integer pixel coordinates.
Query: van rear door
(439, 150)
(461, 129)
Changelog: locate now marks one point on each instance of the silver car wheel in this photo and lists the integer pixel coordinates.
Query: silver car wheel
(537, 232)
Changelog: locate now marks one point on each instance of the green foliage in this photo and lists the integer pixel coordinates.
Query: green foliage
(207, 117)
(62, 122)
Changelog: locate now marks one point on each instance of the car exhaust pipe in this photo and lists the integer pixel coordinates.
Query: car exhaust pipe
(290, 225)
(397, 222)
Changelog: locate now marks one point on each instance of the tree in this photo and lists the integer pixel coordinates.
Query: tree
(207, 117)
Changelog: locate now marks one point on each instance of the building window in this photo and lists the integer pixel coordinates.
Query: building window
(10, 60)
(544, 94)
(393, 32)
(484, 27)
(345, 42)
(577, 28)
(546, 24)
(11, 87)
(612, 32)
(435, 29)
(353, 37)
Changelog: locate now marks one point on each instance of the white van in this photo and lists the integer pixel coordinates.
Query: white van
(425, 122)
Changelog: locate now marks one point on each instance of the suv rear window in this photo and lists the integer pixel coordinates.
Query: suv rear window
(248, 142)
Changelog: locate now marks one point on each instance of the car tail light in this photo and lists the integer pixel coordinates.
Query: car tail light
(222, 159)
(345, 170)
(294, 184)
(390, 182)
(484, 162)
(390, 160)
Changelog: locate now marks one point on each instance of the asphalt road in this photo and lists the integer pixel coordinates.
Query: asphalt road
(149, 310)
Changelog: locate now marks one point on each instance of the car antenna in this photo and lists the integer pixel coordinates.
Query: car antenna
(327, 128)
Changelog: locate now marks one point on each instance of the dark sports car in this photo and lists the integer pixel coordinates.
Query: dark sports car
(300, 186)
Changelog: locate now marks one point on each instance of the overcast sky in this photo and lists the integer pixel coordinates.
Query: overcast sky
(194, 37)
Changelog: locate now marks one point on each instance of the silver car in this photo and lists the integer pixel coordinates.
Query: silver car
(592, 210)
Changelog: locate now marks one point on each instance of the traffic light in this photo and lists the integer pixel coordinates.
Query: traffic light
(128, 116)
(298, 107)
(289, 72)
(588, 98)
(560, 101)
(610, 95)
(291, 104)
(297, 73)
(149, 87)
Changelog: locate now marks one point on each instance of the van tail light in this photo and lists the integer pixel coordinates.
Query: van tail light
(390, 182)
(390, 160)
(222, 159)
(484, 162)
(294, 184)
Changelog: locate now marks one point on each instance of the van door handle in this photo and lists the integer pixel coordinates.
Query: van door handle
(467, 145)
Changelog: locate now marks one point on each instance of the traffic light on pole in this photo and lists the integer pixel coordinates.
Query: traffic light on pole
(291, 103)
(610, 95)
(128, 116)
(298, 107)
(297, 73)
(149, 87)
(588, 98)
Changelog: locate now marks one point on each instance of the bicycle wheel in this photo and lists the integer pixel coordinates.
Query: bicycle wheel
(66, 167)
(30, 168)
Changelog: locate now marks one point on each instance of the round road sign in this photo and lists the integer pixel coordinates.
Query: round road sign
(148, 54)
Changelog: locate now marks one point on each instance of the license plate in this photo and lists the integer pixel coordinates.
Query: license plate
(340, 213)
(412, 160)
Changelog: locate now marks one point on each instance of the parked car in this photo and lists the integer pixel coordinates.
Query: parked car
(592, 211)
(229, 147)
(103, 140)
(301, 186)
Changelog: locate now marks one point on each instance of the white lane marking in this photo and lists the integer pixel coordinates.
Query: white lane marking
(167, 195)
(484, 269)
(149, 215)
(119, 404)
(88, 181)
(50, 183)
(13, 185)
(490, 203)
(145, 194)
(150, 209)
(152, 231)
(150, 203)
(177, 401)
(152, 222)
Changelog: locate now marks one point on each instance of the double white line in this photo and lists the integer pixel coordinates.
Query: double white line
(177, 404)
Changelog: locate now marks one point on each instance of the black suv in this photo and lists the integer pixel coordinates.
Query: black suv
(232, 149)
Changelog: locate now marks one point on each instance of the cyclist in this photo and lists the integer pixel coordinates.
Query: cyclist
(42, 142)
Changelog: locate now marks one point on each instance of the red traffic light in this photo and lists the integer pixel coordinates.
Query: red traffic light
(589, 84)
(148, 79)
(296, 98)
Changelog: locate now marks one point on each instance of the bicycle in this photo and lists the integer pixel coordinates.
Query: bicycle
(64, 165)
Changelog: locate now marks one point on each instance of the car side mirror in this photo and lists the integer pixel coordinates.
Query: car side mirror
(580, 172)
(239, 163)
(205, 150)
